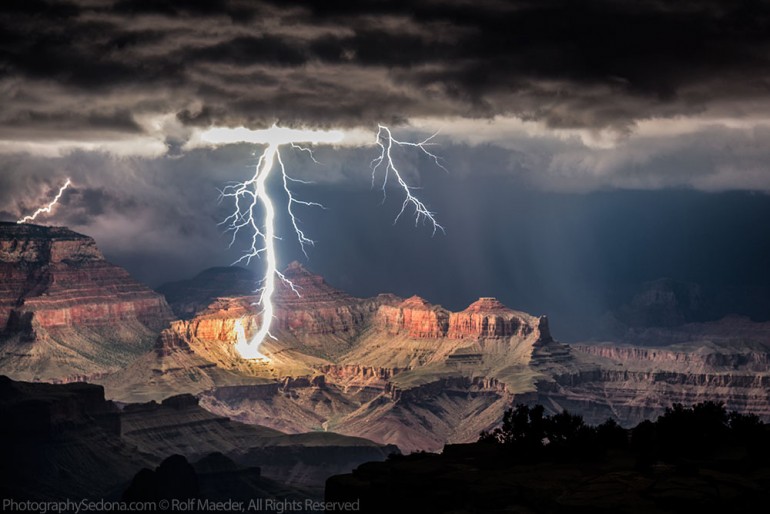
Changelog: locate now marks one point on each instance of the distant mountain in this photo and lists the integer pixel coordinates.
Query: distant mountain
(668, 304)
(664, 303)
(187, 297)
(65, 312)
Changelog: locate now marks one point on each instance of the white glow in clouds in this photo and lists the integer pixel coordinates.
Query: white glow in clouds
(252, 196)
(273, 136)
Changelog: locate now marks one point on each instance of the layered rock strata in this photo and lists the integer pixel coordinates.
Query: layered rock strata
(65, 310)
(485, 318)
(632, 384)
(398, 371)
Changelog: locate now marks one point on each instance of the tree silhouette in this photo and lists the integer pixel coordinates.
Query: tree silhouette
(522, 426)
(532, 433)
(683, 435)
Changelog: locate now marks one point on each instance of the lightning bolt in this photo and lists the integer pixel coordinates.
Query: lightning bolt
(48, 208)
(251, 197)
(385, 141)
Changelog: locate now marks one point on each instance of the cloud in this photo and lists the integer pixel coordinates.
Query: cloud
(564, 95)
(596, 64)
(531, 98)
(151, 214)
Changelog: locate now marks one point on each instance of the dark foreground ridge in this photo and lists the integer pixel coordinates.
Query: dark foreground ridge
(699, 459)
(63, 442)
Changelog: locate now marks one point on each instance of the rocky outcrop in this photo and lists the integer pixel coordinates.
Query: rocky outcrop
(179, 425)
(355, 373)
(57, 278)
(314, 324)
(631, 384)
(487, 317)
(171, 341)
(356, 366)
(66, 311)
(415, 318)
(314, 307)
(456, 384)
(45, 410)
(679, 358)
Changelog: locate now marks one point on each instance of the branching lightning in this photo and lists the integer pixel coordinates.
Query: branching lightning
(251, 198)
(385, 141)
(48, 208)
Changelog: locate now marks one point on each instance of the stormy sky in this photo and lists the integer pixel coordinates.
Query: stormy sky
(589, 146)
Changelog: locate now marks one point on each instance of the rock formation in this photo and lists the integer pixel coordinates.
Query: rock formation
(484, 318)
(369, 367)
(67, 312)
(415, 318)
(61, 441)
(410, 373)
(632, 384)
(397, 371)
(487, 317)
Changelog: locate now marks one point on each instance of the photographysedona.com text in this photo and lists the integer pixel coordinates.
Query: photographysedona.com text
(266, 505)
(76, 506)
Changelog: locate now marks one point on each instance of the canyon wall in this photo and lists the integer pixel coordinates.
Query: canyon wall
(65, 309)
(485, 318)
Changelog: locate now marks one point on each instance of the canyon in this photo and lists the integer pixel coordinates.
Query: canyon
(413, 374)
(396, 371)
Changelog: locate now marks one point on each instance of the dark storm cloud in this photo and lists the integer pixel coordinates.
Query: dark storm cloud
(41, 120)
(595, 64)
(583, 96)
(247, 50)
(172, 7)
(158, 217)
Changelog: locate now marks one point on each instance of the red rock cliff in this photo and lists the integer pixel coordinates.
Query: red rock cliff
(414, 317)
(57, 278)
(65, 312)
(485, 318)
(316, 307)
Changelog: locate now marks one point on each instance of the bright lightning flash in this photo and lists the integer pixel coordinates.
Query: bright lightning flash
(48, 208)
(385, 141)
(252, 197)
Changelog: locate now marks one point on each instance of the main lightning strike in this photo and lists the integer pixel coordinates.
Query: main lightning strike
(254, 192)
(251, 195)
(48, 208)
